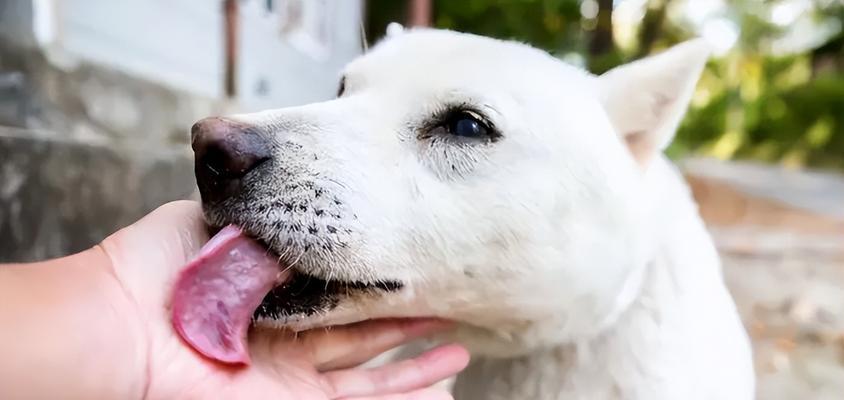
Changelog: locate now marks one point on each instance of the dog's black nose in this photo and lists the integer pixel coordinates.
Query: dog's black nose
(225, 151)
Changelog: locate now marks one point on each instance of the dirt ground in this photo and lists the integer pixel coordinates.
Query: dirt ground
(790, 293)
(781, 238)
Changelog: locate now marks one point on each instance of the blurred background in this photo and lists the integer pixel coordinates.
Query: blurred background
(96, 98)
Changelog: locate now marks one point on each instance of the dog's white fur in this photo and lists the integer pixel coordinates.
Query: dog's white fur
(570, 252)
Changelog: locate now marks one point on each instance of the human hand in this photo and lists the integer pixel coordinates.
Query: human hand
(141, 356)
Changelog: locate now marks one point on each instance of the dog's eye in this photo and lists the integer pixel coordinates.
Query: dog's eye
(467, 124)
(461, 124)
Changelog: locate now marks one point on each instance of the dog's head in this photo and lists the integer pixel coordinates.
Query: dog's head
(456, 176)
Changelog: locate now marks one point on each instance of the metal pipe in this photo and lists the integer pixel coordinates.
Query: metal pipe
(231, 24)
(420, 13)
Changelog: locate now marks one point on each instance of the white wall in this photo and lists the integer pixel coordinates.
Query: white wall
(301, 64)
(179, 43)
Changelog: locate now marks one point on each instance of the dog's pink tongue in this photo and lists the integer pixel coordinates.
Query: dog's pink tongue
(218, 292)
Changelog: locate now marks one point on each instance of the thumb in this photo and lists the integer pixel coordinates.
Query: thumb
(148, 255)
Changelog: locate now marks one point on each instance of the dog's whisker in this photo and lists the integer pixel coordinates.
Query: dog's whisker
(364, 42)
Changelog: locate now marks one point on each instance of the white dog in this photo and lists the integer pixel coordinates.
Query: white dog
(488, 183)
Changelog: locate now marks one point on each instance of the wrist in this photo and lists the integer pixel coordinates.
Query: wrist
(76, 332)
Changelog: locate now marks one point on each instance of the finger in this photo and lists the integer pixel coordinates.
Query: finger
(423, 371)
(422, 394)
(351, 345)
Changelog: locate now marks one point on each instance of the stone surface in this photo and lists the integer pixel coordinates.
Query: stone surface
(95, 104)
(92, 149)
(61, 196)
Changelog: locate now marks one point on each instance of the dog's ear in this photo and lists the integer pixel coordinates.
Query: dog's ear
(394, 28)
(646, 99)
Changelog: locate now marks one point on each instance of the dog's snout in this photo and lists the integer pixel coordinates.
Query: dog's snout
(225, 151)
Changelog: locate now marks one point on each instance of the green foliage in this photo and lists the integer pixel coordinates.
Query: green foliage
(550, 24)
(750, 104)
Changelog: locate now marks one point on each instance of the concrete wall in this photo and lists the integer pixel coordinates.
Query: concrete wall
(59, 197)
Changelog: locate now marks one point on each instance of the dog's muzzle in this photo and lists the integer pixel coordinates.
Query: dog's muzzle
(225, 152)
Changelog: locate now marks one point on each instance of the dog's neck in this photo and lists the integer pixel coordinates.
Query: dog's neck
(671, 342)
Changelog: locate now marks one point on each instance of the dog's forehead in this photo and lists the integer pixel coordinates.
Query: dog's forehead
(429, 55)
